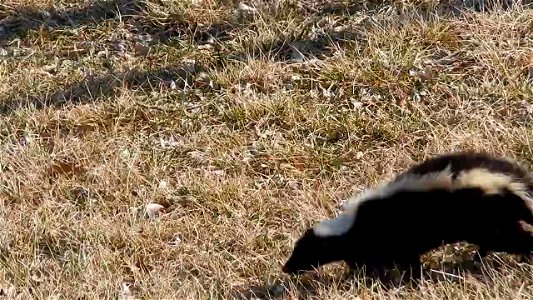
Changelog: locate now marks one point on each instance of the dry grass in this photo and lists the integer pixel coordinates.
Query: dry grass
(212, 112)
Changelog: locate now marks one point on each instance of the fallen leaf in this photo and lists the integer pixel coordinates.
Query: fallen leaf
(359, 155)
(205, 47)
(163, 185)
(141, 49)
(65, 168)
(424, 75)
(197, 155)
(219, 172)
(127, 291)
(37, 278)
(125, 154)
(296, 55)
(244, 7)
(189, 65)
(120, 47)
(153, 209)
(528, 72)
(8, 291)
(176, 241)
(145, 38)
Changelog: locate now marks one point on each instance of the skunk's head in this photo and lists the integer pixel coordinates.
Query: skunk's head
(311, 251)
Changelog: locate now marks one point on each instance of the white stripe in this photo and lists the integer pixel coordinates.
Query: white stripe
(489, 182)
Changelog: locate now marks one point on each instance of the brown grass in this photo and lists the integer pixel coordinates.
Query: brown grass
(212, 112)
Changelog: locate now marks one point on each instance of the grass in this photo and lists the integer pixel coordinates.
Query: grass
(247, 124)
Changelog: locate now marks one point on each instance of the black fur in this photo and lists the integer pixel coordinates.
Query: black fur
(311, 251)
(396, 230)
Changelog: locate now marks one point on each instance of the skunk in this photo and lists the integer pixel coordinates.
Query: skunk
(457, 197)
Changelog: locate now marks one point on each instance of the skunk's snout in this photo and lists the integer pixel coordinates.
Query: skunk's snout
(285, 269)
(288, 270)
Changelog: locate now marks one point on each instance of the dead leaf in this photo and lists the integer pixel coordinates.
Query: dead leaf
(359, 155)
(244, 7)
(219, 172)
(153, 210)
(65, 168)
(296, 55)
(163, 185)
(37, 278)
(125, 154)
(7, 291)
(176, 241)
(205, 47)
(528, 73)
(128, 289)
(424, 75)
(141, 49)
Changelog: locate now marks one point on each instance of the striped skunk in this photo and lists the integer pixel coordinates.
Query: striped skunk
(457, 197)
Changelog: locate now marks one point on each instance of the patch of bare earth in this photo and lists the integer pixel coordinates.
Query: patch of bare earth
(175, 149)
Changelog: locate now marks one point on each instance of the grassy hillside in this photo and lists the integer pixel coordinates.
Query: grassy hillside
(246, 123)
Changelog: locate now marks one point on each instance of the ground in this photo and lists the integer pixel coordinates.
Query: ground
(245, 122)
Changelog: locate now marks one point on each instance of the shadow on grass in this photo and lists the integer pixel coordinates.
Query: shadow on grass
(295, 46)
(312, 284)
(306, 287)
(103, 87)
(26, 18)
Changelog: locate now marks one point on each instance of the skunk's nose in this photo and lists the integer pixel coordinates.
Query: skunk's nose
(288, 270)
